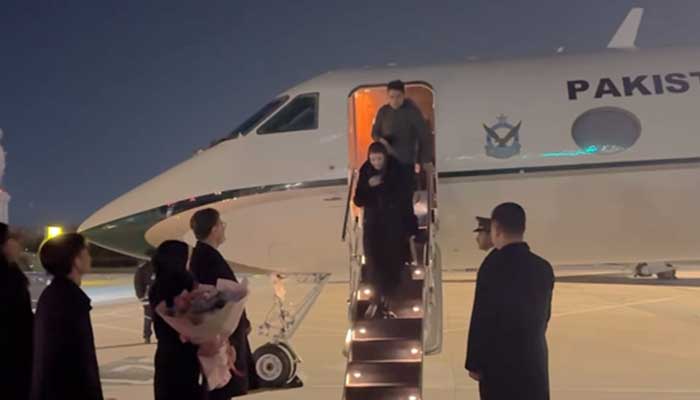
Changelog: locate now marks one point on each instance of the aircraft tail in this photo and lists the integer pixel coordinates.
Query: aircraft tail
(626, 34)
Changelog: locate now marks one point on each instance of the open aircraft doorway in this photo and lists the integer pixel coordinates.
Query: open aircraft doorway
(363, 104)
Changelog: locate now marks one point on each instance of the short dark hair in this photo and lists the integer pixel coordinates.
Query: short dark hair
(396, 85)
(510, 218)
(57, 254)
(377, 148)
(203, 221)
(170, 258)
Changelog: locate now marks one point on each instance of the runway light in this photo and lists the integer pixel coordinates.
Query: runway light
(53, 231)
(357, 375)
(418, 271)
(367, 292)
(363, 331)
(414, 351)
(416, 309)
(412, 397)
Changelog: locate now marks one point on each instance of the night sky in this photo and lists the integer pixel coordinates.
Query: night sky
(99, 96)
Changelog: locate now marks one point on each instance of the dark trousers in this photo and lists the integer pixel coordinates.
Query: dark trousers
(147, 321)
(408, 175)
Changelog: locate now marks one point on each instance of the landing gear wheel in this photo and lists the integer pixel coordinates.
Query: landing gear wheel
(275, 365)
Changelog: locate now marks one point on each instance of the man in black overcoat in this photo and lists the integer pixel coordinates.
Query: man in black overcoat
(507, 347)
(207, 266)
(65, 363)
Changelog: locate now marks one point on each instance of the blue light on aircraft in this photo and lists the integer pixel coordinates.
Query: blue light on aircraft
(593, 149)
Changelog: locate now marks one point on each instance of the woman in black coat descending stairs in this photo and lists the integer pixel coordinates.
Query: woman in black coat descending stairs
(388, 222)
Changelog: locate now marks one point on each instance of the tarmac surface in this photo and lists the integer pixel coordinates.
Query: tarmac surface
(610, 337)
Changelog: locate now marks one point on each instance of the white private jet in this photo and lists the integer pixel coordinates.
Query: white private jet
(602, 150)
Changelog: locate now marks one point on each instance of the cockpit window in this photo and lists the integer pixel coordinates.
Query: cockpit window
(245, 127)
(301, 114)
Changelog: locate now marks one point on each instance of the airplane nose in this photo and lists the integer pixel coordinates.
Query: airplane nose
(121, 224)
(218, 177)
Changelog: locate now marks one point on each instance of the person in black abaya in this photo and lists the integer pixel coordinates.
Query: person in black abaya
(177, 369)
(388, 222)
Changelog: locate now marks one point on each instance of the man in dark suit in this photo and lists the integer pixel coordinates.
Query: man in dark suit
(65, 363)
(208, 265)
(507, 347)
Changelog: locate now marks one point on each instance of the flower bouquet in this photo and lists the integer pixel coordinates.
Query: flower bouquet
(207, 316)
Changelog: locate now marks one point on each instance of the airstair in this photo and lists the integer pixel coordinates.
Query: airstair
(385, 356)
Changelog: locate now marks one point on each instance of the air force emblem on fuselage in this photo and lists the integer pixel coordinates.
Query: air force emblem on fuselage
(497, 146)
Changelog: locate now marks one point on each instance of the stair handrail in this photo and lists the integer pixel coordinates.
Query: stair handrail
(432, 288)
(352, 234)
(348, 202)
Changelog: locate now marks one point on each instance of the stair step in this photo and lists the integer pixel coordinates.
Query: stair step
(407, 309)
(385, 393)
(405, 275)
(388, 329)
(407, 288)
(385, 351)
(417, 272)
(403, 309)
(362, 374)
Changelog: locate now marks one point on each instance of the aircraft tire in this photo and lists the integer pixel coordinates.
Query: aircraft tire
(275, 365)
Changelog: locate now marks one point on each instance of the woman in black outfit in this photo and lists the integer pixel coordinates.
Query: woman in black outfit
(177, 373)
(387, 224)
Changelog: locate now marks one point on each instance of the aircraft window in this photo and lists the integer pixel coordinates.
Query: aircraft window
(301, 114)
(250, 123)
(606, 130)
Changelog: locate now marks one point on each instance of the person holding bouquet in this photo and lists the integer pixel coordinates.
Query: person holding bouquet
(208, 266)
(177, 371)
